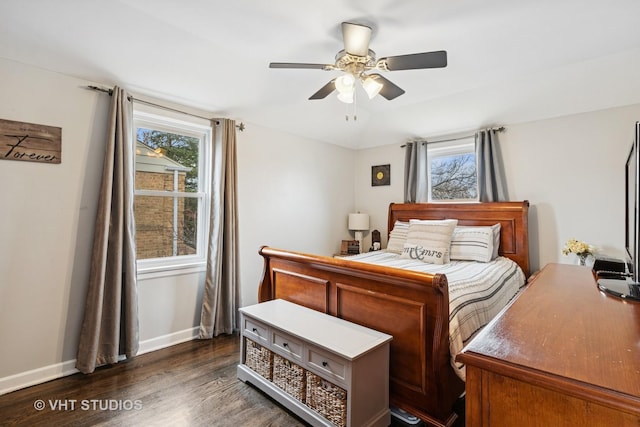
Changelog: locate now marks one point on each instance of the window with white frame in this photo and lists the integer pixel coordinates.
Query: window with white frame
(452, 171)
(171, 196)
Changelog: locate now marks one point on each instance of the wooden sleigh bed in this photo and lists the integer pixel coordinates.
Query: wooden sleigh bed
(413, 307)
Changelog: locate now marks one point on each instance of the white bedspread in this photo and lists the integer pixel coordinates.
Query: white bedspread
(477, 292)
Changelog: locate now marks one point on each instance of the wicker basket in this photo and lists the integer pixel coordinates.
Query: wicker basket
(327, 399)
(259, 359)
(289, 377)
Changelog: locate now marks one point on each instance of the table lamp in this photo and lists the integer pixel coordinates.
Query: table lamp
(359, 222)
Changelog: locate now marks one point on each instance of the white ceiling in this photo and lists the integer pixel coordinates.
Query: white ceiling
(509, 60)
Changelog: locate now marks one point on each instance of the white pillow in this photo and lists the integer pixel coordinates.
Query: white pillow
(475, 243)
(431, 256)
(398, 237)
(432, 235)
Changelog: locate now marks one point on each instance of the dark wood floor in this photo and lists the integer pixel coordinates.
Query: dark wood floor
(190, 384)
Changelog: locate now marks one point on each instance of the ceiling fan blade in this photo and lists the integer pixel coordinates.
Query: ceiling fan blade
(437, 59)
(297, 65)
(389, 89)
(356, 38)
(324, 90)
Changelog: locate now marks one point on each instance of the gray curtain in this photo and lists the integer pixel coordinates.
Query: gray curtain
(416, 189)
(220, 299)
(110, 326)
(491, 181)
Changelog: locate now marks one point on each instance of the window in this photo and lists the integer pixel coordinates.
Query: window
(452, 171)
(171, 198)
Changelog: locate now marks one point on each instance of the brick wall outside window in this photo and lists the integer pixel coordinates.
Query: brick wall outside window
(154, 217)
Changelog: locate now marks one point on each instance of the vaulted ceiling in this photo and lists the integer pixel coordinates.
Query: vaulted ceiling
(508, 61)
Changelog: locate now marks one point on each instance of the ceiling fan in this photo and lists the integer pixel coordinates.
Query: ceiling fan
(358, 63)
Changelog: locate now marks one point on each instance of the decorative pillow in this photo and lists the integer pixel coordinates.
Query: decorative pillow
(475, 243)
(496, 240)
(432, 235)
(398, 237)
(431, 256)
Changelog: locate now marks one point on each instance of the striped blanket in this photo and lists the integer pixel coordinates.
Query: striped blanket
(477, 292)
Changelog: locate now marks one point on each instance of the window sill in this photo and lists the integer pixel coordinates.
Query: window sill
(169, 271)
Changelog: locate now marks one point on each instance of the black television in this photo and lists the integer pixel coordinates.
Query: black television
(631, 207)
(628, 286)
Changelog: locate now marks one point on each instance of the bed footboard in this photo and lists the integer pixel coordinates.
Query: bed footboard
(412, 307)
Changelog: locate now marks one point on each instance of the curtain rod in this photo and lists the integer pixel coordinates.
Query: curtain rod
(240, 126)
(500, 129)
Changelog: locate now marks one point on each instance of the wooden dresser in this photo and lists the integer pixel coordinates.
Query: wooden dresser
(562, 354)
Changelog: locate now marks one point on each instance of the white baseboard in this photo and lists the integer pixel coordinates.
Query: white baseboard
(59, 370)
(165, 341)
(37, 376)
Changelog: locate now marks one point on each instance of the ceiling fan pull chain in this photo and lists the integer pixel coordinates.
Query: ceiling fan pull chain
(351, 109)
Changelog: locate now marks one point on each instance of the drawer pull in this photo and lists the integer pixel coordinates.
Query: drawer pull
(284, 344)
(255, 330)
(325, 363)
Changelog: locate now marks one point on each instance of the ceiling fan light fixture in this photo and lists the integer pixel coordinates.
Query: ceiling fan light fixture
(346, 97)
(345, 83)
(372, 86)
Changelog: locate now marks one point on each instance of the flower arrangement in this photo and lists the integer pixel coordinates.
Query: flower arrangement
(581, 249)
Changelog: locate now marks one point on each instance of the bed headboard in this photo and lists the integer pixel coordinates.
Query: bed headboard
(512, 216)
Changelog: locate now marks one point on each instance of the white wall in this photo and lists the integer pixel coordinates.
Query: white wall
(571, 169)
(375, 200)
(294, 193)
(47, 213)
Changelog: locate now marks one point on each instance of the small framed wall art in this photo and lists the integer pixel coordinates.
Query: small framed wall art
(380, 175)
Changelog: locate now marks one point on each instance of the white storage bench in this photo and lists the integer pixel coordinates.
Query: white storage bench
(328, 371)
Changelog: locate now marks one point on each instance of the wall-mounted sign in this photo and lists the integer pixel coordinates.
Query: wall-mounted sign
(30, 142)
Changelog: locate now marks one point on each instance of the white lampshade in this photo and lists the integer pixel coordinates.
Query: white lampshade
(358, 222)
(372, 86)
(345, 83)
(346, 97)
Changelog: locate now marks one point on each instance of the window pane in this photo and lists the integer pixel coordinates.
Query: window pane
(454, 177)
(165, 226)
(163, 156)
(171, 198)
